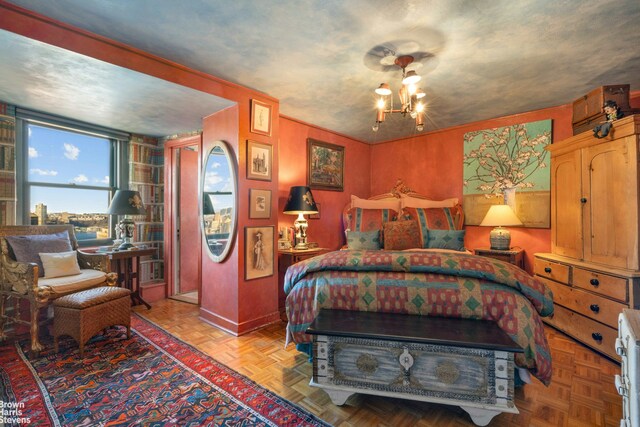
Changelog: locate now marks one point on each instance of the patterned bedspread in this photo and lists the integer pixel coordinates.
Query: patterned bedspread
(430, 283)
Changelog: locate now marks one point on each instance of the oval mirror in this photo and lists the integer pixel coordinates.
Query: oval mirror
(219, 201)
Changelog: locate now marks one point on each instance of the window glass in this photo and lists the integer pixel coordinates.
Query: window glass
(64, 157)
(68, 179)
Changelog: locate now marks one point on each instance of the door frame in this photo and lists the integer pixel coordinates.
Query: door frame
(169, 213)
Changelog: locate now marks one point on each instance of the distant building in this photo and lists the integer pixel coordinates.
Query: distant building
(41, 213)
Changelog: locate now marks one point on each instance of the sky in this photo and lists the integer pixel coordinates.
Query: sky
(57, 156)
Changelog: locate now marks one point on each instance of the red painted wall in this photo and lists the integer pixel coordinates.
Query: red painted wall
(431, 164)
(326, 231)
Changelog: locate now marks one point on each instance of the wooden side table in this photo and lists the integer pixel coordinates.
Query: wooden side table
(286, 258)
(513, 256)
(124, 267)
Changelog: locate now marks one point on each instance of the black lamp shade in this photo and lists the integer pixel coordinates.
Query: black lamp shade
(207, 208)
(300, 201)
(126, 202)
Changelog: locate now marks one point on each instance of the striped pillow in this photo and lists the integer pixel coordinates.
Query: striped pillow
(435, 219)
(359, 219)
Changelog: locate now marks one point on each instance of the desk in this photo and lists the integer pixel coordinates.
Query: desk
(124, 267)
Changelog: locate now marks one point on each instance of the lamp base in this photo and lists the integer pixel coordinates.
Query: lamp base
(500, 239)
(125, 246)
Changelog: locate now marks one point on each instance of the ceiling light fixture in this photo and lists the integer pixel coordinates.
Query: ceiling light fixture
(410, 96)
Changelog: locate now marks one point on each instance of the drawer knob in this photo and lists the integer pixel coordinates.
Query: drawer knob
(594, 282)
(547, 269)
(583, 200)
(597, 336)
(595, 308)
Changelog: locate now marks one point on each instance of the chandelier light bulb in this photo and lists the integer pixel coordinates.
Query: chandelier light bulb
(380, 104)
(419, 128)
(383, 89)
(411, 78)
(413, 114)
(412, 89)
(419, 107)
(420, 93)
(375, 127)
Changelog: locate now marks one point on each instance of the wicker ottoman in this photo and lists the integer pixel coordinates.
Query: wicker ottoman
(83, 314)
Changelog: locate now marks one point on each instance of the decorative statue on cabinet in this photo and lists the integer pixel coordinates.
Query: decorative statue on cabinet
(613, 113)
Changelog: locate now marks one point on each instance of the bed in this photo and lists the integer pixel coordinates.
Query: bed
(419, 266)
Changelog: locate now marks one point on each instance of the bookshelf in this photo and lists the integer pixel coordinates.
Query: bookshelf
(7, 170)
(146, 175)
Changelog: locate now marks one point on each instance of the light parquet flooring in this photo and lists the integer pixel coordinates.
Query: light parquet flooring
(582, 392)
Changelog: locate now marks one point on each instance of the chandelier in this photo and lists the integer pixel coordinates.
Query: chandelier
(410, 96)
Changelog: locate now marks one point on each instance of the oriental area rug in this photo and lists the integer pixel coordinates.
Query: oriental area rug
(152, 379)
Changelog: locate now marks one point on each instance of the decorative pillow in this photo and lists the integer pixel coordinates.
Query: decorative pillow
(414, 202)
(435, 219)
(359, 219)
(389, 203)
(363, 240)
(401, 235)
(26, 248)
(446, 239)
(60, 264)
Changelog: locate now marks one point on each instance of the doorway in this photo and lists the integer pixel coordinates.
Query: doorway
(183, 224)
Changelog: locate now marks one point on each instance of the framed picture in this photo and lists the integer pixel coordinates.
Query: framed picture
(260, 117)
(316, 216)
(259, 204)
(259, 160)
(326, 165)
(258, 258)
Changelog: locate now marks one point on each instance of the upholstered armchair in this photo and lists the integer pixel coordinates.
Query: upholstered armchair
(28, 250)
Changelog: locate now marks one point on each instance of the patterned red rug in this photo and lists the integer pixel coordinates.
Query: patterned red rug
(152, 379)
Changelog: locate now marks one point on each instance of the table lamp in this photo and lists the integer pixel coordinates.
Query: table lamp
(300, 202)
(126, 202)
(500, 216)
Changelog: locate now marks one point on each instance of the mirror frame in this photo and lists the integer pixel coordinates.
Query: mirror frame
(231, 161)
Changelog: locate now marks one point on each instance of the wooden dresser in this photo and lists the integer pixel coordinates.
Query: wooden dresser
(594, 268)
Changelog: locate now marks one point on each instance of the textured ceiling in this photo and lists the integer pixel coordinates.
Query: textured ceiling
(321, 58)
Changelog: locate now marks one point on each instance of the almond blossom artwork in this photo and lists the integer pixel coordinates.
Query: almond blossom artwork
(508, 165)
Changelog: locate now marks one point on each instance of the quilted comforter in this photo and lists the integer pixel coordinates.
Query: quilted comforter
(428, 283)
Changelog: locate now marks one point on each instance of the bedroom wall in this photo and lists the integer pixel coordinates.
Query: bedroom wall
(327, 230)
(431, 164)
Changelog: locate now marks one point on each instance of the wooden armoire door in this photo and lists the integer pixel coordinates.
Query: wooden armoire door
(566, 204)
(611, 188)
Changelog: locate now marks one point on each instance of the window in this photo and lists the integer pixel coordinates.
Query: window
(69, 175)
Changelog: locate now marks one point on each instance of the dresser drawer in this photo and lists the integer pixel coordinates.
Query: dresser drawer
(585, 330)
(601, 283)
(590, 305)
(551, 270)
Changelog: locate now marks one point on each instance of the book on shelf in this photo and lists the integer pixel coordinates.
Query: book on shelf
(149, 232)
(149, 193)
(7, 212)
(145, 154)
(142, 173)
(7, 158)
(7, 185)
(7, 130)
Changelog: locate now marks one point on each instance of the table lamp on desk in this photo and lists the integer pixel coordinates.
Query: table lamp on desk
(126, 202)
(500, 216)
(300, 202)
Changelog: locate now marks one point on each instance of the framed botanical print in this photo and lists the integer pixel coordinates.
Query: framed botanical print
(326, 165)
(260, 118)
(259, 160)
(259, 204)
(258, 258)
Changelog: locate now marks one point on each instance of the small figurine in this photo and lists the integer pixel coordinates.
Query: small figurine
(613, 113)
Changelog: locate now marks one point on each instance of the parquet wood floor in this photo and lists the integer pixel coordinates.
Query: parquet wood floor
(582, 392)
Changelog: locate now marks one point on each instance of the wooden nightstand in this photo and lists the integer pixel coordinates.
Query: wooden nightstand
(513, 256)
(286, 258)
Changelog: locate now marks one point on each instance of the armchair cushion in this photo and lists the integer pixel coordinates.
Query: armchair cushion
(60, 286)
(26, 248)
(60, 264)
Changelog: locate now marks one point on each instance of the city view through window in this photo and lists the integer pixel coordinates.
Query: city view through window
(68, 175)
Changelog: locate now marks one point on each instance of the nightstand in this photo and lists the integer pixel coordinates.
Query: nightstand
(513, 256)
(286, 258)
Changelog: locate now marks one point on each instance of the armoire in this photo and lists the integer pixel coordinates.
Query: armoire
(593, 270)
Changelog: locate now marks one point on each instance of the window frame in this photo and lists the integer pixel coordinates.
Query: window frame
(118, 164)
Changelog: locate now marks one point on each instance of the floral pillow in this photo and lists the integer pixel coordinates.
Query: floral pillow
(363, 240)
(401, 235)
(359, 219)
(446, 239)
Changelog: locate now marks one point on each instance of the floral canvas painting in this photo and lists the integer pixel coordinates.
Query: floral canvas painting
(508, 165)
